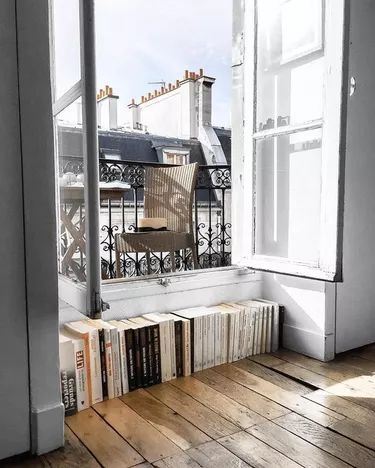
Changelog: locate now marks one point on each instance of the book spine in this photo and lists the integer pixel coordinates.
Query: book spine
(130, 359)
(218, 345)
(275, 329)
(96, 377)
(68, 378)
(164, 345)
(256, 331)
(224, 338)
(264, 329)
(172, 349)
(109, 362)
(269, 329)
(245, 344)
(124, 366)
(192, 345)
(156, 353)
(231, 329)
(103, 363)
(200, 343)
(138, 359)
(116, 362)
(186, 343)
(150, 355)
(81, 375)
(144, 356)
(178, 348)
(168, 357)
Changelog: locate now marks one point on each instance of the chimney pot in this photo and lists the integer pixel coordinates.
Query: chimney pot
(186, 74)
(106, 90)
(192, 75)
(143, 99)
(169, 86)
(201, 72)
(110, 92)
(177, 83)
(149, 95)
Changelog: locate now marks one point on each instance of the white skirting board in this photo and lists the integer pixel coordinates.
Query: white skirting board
(311, 344)
(47, 428)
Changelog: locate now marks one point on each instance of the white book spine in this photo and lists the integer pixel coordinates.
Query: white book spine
(275, 329)
(245, 344)
(231, 336)
(252, 331)
(224, 337)
(264, 329)
(81, 375)
(109, 362)
(211, 360)
(124, 366)
(95, 367)
(187, 350)
(205, 340)
(260, 331)
(116, 362)
(218, 345)
(199, 347)
(236, 335)
(165, 352)
(269, 329)
(256, 331)
(173, 349)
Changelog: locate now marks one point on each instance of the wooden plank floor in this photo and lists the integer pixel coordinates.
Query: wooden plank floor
(280, 409)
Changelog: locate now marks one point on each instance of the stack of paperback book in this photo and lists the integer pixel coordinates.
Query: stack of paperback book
(105, 359)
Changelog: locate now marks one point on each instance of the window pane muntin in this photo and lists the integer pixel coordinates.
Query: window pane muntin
(282, 77)
(288, 197)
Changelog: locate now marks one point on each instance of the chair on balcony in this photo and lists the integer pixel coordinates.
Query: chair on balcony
(169, 194)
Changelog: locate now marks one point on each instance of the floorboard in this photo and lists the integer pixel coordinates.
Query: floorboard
(280, 409)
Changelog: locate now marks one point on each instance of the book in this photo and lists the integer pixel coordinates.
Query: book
(106, 359)
(195, 316)
(139, 352)
(165, 325)
(179, 351)
(275, 318)
(114, 346)
(90, 336)
(130, 354)
(68, 375)
(80, 370)
(122, 327)
(147, 354)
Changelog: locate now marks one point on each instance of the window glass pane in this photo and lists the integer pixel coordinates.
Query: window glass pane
(66, 27)
(288, 196)
(289, 62)
(71, 209)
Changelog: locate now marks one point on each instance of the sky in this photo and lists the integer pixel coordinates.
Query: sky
(138, 41)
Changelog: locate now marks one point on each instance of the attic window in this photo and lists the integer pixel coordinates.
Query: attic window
(178, 157)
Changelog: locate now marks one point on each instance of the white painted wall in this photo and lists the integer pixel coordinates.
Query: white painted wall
(356, 295)
(14, 385)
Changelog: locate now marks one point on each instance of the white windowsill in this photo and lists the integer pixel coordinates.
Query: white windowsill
(116, 290)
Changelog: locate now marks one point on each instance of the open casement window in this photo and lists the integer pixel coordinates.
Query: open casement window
(293, 114)
(74, 100)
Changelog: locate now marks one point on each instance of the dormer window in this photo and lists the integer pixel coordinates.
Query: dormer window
(176, 156)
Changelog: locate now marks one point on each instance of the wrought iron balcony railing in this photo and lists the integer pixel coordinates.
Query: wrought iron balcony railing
(211, 219)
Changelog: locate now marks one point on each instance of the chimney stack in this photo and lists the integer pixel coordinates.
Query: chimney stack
(107, 109)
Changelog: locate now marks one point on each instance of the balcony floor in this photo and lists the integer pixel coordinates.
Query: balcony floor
(273, 410)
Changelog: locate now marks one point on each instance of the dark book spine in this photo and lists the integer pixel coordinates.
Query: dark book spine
(138, 359)
(150, 355)
(178, 345)
(143, 341)
(69, 391)
(103, 363)
(192, 344)
(130, 359)
(156, 354)
(281, 325)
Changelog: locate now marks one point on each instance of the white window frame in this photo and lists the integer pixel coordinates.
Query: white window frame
(333, 144)
(85, 87)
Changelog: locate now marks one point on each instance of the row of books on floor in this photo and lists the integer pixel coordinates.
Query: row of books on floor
(105, 359)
